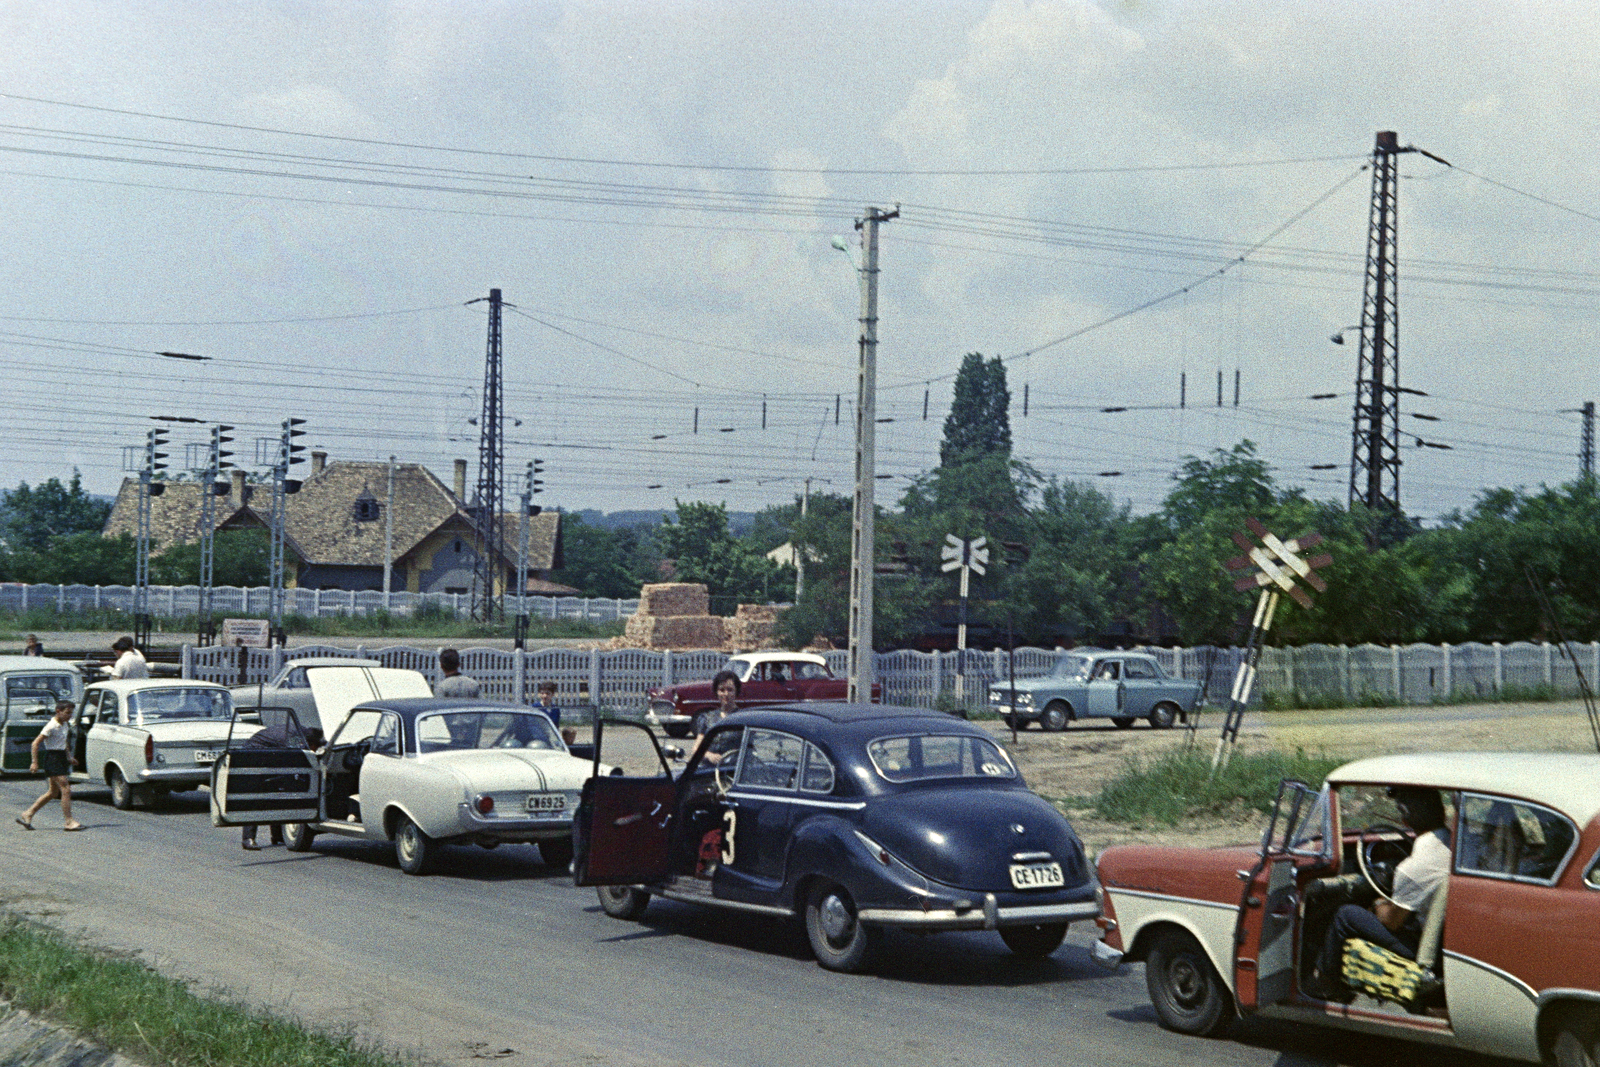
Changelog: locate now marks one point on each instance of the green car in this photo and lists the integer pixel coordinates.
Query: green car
(29, 689)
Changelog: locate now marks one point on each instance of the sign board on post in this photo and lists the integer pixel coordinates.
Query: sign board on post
(250, 633)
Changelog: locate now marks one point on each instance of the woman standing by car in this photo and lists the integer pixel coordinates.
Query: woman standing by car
(56, 762)
(726, 686)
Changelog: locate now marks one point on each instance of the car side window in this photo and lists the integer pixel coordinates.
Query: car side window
(1592, 878)
(818, 776)
(295, 679)
(1137, 668)
(386, 739)
(91, 707)
(1107, 671)
(108, 708)
(771, 760)
(1512, 839)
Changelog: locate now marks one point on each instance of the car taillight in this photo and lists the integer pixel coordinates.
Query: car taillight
(149, 748)
(485, 805)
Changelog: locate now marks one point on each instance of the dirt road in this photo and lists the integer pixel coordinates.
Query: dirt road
(1077, 762)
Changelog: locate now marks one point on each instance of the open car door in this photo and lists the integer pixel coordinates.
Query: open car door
(253, 782)
(24, 714)
(622, 832)
(1263, 966)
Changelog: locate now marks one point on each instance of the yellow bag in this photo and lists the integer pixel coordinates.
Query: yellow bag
(1383, 975)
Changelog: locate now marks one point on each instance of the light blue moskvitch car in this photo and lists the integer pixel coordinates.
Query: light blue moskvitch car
(1120, 686)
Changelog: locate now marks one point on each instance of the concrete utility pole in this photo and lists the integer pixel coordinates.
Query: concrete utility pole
(388, 537)
(864, 520)
(1586, 443)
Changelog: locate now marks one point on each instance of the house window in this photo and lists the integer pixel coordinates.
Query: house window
(458, 546)
(366, 508)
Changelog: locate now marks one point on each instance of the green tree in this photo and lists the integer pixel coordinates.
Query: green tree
(979, 423)
(35, 515)
(75, 559)
(604, 562)
(239, 558)
(1071, 579)
(704, 550)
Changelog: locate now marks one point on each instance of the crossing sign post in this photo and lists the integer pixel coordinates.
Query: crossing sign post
(968, 556)
(1276, 567)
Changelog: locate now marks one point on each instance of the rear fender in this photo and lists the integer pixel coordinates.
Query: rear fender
(830, 848)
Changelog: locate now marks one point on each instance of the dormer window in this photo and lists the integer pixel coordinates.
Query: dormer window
(366, 508)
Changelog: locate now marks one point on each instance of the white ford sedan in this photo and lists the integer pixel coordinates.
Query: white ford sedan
(420, 773)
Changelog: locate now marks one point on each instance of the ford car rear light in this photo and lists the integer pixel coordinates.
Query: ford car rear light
(149, 748)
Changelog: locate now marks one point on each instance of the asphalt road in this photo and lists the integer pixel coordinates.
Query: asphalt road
(496, 956)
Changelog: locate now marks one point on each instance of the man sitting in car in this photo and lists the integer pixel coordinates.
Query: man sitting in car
(1394, 922)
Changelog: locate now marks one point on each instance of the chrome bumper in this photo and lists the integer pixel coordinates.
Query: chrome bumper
(497, 825)
(987, 917)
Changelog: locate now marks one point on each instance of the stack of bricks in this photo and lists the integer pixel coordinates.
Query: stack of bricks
(754, 626)
(674, 615)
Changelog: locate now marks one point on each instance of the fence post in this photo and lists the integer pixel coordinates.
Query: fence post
(1499, 669)
(666, 669)
(594, 679)
(1449, 685)
(934, 659)
(61, 599)
(97, 598)
(275, 661)
(187, 670)
(1549, 665)
(519, 675)
(1288, 670)
(1394, 658)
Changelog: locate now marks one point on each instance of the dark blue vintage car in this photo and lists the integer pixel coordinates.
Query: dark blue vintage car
(855, 817)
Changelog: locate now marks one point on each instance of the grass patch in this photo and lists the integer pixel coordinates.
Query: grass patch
(1179, 784)
(128, 1007)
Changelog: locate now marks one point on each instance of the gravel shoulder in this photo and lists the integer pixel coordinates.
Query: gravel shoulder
(1078, 761)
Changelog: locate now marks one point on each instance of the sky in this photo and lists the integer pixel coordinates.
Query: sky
(1126, 201)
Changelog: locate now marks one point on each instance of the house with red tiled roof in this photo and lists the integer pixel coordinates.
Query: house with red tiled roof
(336, 530)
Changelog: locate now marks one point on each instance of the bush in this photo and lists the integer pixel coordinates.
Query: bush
(1180, 784)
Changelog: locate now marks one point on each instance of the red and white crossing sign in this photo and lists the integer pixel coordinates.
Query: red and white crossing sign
(1278, 563)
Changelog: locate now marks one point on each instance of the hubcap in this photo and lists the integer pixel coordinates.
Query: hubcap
(1186, 982)
(837, 922)
(408, 842)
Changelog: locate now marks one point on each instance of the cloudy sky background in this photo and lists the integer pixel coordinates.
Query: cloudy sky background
(310, 194)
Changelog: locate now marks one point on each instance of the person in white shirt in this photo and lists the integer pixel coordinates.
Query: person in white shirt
(130, 663)
(454, 683)
(56, 761)
(1395, 921)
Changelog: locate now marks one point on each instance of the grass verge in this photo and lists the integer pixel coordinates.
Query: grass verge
(128, 1007)
(1179, 784)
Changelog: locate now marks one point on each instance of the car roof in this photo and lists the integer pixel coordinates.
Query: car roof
(863, 719)
(134, 685)
(332, 661)
(785, 657)
(1566, 781)
(34, 664)
(409, 708)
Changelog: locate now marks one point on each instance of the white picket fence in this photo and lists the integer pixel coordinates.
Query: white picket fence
(1411, 674)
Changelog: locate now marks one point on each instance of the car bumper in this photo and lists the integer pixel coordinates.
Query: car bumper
(196, 775)
(659, 717)
(511, 829)
(1023, 711)
(987, 915)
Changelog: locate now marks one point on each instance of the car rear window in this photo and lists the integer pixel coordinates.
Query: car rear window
(910, 759)
(162, 705)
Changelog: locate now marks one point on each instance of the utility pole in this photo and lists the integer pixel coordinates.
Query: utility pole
(799, 553)
(282, 486)
(388, 538)
(529, 509)
(1586, 443)
(1375, 435)
(487, 581)
(211, 484)
(863, 527)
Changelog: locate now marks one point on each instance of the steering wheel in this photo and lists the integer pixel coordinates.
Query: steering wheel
(1378, 853)
(353, 758)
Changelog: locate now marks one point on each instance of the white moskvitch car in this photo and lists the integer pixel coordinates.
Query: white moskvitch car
(421, 773)
(149, 737)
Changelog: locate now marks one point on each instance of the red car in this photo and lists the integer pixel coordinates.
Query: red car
(764, 678)
(1510, 946)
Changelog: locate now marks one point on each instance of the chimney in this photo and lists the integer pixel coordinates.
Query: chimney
(238, 487)
(461, 480)
(319, 463)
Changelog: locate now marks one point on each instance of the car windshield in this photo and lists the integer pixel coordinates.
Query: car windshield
(36, 694)
(460, 730)
(1071, 667)
(162, 705)
(910, 759)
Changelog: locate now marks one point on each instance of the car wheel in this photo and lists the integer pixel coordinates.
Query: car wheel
(1055, 716)
(1185, 989)
(839, 941)
(556, 852)
(1577, 1044)
(623, 901)
(1034, 942)
(1163, 715)
(1122, 722)
(297, 837)
(413, 848)
(121, 791)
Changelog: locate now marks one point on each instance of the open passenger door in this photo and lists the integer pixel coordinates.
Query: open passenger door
(253, 782)
(1263, 964)
(622, 832)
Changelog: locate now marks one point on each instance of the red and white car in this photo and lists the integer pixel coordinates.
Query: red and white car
(1515, 937)
(764, 678)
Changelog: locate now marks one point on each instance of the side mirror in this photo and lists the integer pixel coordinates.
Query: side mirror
(672, 752)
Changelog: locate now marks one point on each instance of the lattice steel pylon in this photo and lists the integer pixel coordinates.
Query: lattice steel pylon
(1586, 442)
(487, 578)
(1375, 440)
